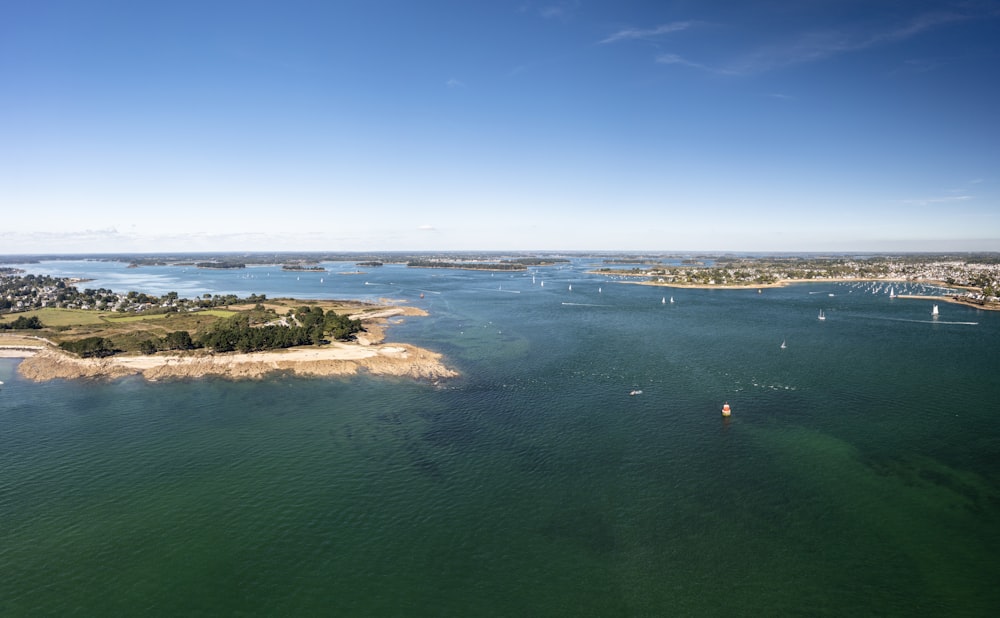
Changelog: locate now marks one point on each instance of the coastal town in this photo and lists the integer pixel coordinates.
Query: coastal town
(978, 276)
(19, 293)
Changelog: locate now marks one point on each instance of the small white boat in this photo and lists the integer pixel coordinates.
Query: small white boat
(934, 311)
(822, 316)
(635, 392)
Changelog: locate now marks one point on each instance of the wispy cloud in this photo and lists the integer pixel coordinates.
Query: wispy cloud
(454, 83)
(111, 240)
(919, 65)
(560, 10)
(426, 228)
(629, 34)
(937, 200)
(675, 59)
(821, 45)
(803, 48)
(517, 70)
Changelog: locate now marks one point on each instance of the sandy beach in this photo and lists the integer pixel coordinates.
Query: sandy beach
(45, 363)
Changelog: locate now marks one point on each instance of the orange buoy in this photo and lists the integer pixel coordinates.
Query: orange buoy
(725, 409)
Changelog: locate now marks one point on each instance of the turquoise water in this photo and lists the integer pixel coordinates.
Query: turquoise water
(857, 475)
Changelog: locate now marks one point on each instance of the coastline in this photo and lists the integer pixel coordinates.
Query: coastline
(786, 282)
(954, 300)
(369, 354)
(395, 359)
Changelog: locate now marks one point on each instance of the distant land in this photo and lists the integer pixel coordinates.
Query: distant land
(977, 273)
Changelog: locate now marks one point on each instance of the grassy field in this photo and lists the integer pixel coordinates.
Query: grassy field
(119, 318)
(61, 317)
(6, 338)
(128, 330)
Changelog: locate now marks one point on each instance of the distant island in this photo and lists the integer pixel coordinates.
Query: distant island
(302, 268)
(221, 265)
(244, 259)
(518, 264)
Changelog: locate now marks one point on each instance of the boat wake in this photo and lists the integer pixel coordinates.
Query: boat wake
(921, 321)
(586, 305)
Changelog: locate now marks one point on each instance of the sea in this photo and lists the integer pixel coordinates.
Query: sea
(580, 466)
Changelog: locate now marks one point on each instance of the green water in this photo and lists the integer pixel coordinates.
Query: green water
(857, 475)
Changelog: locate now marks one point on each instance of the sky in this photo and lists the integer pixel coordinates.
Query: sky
(814, 125)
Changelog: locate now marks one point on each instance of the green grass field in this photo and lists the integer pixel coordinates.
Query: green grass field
(61, 317)
(116, 318)
(127, 331)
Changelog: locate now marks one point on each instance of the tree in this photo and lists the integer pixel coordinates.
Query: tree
(178, 340)
(90, 347)
(23, 323)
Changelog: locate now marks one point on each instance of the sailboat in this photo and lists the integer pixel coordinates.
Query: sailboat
(663, 301)
(892, 292)
(571, 287)
(783, 346)
(821, 315)
(934, 311)
(671, 300)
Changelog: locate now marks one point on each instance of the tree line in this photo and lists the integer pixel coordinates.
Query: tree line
(304, 326)
(23, 323)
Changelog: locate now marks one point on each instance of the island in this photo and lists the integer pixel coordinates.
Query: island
(63, 332)
(302, 267)
(501, 265)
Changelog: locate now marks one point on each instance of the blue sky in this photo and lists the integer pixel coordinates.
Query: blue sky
(817, 125)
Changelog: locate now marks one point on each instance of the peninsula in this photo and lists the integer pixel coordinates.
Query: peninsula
(62, 332)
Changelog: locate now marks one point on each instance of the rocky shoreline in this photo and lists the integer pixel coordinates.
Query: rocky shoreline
(400, 360)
